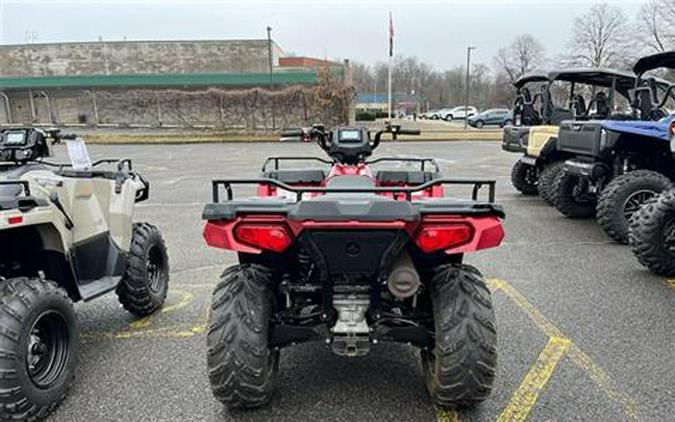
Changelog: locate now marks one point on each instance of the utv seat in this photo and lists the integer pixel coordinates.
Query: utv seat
(294, 176)
(645, 102)
(524, 107)
(407, 177)
(579, 106)
(602, 110)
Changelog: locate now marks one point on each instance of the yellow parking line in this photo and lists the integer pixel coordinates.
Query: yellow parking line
(539, 320)
(186, 298)
(602, 380)
(524, 398)
(670, 282)
(447, 415)
(578, 356)
(171, 331)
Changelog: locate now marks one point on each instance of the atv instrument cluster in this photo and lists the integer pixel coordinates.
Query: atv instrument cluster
(23, 145)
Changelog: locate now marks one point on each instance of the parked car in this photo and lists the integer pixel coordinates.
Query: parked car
(433, 114)
(461, 112)
(493, 116)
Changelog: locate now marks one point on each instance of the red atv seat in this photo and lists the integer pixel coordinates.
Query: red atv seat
(293, 176)
(406, 177)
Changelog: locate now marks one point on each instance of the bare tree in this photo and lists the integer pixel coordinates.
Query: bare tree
(523, 55)
(600, 38)
(656, 25)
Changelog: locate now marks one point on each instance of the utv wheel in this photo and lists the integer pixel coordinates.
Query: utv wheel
(524, 178)
(241, 366)
(623, 196)
(39, 343)
(546, 179)
(460, 369)
(143, 288)
(652, 234)
(569, 197)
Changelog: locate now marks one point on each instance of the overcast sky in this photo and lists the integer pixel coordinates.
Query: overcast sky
(436, 32)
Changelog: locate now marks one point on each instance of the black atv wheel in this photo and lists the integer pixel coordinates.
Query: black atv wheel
(524, 178)
(624, 196)
(652, 234)
(460, 369)
(569, 196)
(144, 286)
(241, 366)
(546, 178)
(39, 344)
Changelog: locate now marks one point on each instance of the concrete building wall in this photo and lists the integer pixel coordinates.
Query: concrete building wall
(131, 57)
(247, 109)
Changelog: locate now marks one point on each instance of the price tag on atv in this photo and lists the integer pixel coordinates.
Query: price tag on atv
(79, 157)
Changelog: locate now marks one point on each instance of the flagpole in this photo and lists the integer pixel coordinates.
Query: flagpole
(391, 53)
(389, 87)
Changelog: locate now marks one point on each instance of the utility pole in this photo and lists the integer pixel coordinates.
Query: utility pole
(270, 60)
(468, 85)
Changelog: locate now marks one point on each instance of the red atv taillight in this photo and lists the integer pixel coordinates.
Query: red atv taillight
(271, 237)
(431, 238)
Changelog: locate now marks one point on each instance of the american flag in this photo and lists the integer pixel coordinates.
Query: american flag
(391, 36)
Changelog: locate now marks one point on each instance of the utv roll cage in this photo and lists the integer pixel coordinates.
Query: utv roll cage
(525, 112)
(547, 113)
(650, 94)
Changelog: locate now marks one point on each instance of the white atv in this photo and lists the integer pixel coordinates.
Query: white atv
(66, 234)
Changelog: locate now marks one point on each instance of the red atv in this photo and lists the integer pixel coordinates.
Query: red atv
(351, 257)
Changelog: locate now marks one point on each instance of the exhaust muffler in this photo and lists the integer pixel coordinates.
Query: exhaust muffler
(403, 281)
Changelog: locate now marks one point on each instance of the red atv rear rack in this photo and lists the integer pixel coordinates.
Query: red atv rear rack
(300, 190)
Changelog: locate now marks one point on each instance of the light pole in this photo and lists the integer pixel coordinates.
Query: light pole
(468, 85)
(269, 51)
(269, 57)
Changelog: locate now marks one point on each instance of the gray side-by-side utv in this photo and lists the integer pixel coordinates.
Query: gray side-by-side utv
(66, 234)
(613, 167)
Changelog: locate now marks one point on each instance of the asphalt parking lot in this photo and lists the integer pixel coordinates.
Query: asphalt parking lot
(584, 332)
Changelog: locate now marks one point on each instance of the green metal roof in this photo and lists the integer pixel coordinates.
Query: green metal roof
(159, 80)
